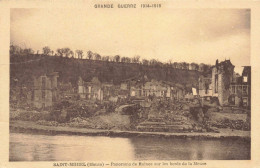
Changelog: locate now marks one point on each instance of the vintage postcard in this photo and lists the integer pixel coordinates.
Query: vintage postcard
(129, 84)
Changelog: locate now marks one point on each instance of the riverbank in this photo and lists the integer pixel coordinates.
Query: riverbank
(32, 127)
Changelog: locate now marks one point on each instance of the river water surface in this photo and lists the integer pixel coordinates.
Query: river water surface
(34, 147)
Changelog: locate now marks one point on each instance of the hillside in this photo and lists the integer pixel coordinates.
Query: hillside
(24, 67)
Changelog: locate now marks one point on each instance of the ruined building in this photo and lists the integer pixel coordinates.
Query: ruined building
(156, 88)
(231, 89)
(92, 90)
(241, 89)
(45, 90)
(222, 77)
(205, 85)
(82, 91)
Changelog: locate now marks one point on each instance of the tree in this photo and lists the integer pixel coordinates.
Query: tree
(79, 53)
(123, 59)
(111, 58)
(194, 66)
(105, 58)
(59, 52)
(145, 62)
(153, 62)
(136, 59)
(66, 51)
(204, 67)
(128, 60)
(14, 49)
(185, 65)
(160, 64)
(97, 56)
(71, 54)
(27, 51)
(175, 65)
(46, 50)
(90, 55)
(117, 58)
(170, 62)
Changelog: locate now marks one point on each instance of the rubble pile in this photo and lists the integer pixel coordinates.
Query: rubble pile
(237, 121)
(64, 111)
(25, 115)
(232, 109)
(109, 121)
(48, 123)
(168, 116)
(160, 116)
(14, 114)
(191, 116)
(232, 124)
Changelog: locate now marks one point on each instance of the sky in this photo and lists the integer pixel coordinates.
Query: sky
(190, 35)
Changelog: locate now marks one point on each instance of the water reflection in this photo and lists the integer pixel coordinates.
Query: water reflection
(190, 149)
(30, 147)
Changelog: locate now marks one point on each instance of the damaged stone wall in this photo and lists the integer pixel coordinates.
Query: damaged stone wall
(45, 91)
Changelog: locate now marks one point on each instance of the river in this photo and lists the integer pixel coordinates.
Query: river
(35, 147)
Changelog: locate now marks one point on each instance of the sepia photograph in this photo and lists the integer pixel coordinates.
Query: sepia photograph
(137, 84)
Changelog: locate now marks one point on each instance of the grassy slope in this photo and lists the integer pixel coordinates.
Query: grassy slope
(26, 66)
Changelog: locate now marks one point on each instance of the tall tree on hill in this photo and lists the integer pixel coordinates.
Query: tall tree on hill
(67, 52)
(90, 55)
(182, 65)
(133, 60)
(79, 53)
(117, 58)
(97, 56)
(27, 51)
(14, 49)
(59, 52)
(169, 63)
(159, 64)
(201, 67)
(185, 65)
(153, 62)
(194, 66)
(128, 60)
(179, 65)
(123, 59)
(111, 58)
(175, 65)
(105, 58)
(46, 50)
(145, 62)
(71, 54)
(136, 59)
